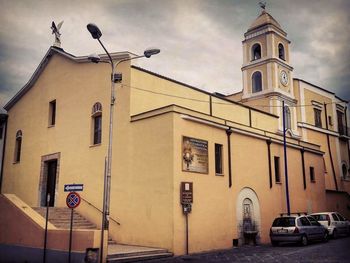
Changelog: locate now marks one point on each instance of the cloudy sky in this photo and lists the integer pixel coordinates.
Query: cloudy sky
(200, 40)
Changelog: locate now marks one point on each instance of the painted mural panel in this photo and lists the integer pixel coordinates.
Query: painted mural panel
(194, 155)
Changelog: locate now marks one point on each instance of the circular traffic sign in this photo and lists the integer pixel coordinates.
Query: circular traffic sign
(73, 200)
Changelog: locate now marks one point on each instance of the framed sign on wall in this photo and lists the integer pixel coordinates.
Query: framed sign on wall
(194, 155)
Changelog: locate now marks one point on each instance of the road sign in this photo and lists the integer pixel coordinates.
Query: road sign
(73, 187)
(73, 200)
(186, 193)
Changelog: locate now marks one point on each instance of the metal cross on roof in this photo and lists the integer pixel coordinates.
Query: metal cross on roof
(56, 31)
(262, 5)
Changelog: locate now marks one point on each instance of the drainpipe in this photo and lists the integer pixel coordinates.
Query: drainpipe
(229, 132)
(268, 142)
(5, 116)
(329, 150)
(303, 166)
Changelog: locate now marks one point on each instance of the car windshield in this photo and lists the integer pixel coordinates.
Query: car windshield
(321, 217)
(284, 222)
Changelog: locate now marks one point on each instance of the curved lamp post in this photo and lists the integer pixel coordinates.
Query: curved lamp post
(115, 78)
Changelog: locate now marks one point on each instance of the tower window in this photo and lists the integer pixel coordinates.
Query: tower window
(288, 119)
(96, 116)
(318, 120)
(281, 53)
(18, 146)
(256, 51)
(257, 82)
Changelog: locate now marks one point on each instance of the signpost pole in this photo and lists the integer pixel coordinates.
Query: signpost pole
(186, 215)
(72, 201)
(46, 221)
(70, 235)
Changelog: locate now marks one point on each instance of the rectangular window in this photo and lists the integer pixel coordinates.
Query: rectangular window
(340, 117)
(277, 169)
(18, 149)
(97, 129)
(312, 174)
(318, 120)
(218, 159)
(52, 113)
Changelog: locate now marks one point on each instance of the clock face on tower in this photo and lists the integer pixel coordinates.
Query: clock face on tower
(284, 78)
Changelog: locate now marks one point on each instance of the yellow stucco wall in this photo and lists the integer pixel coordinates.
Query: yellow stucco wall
(150, 92)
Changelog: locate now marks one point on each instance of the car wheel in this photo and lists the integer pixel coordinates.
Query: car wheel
(274, 243)
(304, 240)
(335, 234)
(325, 236)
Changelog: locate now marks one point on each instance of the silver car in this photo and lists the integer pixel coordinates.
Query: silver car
(335, 223)
(297, 228)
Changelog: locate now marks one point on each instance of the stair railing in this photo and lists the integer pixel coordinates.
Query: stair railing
(96, 208)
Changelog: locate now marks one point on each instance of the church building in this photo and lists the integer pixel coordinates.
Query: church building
(169, 137)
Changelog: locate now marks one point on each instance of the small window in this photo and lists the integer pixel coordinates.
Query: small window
(218, 159)
(256, 82)
(277, 169)
(341, 128)
(344, 169)
(18, 146)
(256, 51)
(318, 120)
(288, 120)
(324, 165)
(52, 113)
(96, 116)
(312, 174)
(281, 53)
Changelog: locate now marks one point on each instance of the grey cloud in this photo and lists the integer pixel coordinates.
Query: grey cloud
(200, 39)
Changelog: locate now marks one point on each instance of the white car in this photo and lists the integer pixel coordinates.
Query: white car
(335, 222)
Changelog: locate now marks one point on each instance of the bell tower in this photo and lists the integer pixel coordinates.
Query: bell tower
(266, 69)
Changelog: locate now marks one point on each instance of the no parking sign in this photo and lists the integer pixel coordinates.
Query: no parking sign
(73, 200)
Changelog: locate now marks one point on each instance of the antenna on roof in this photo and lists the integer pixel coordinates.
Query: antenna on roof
(262, 5)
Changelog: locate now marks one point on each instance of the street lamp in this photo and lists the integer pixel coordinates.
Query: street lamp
(115, 78)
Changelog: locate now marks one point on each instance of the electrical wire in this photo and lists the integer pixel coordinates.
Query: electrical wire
(222, 103)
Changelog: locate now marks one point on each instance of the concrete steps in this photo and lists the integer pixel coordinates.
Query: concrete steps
(126, 253)
(60, 218)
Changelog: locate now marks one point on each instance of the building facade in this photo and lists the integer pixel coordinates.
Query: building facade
(166, 132)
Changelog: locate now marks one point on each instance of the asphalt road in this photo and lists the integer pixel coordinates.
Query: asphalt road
(333, 251)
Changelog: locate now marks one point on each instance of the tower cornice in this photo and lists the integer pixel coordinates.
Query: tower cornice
(260, 62)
